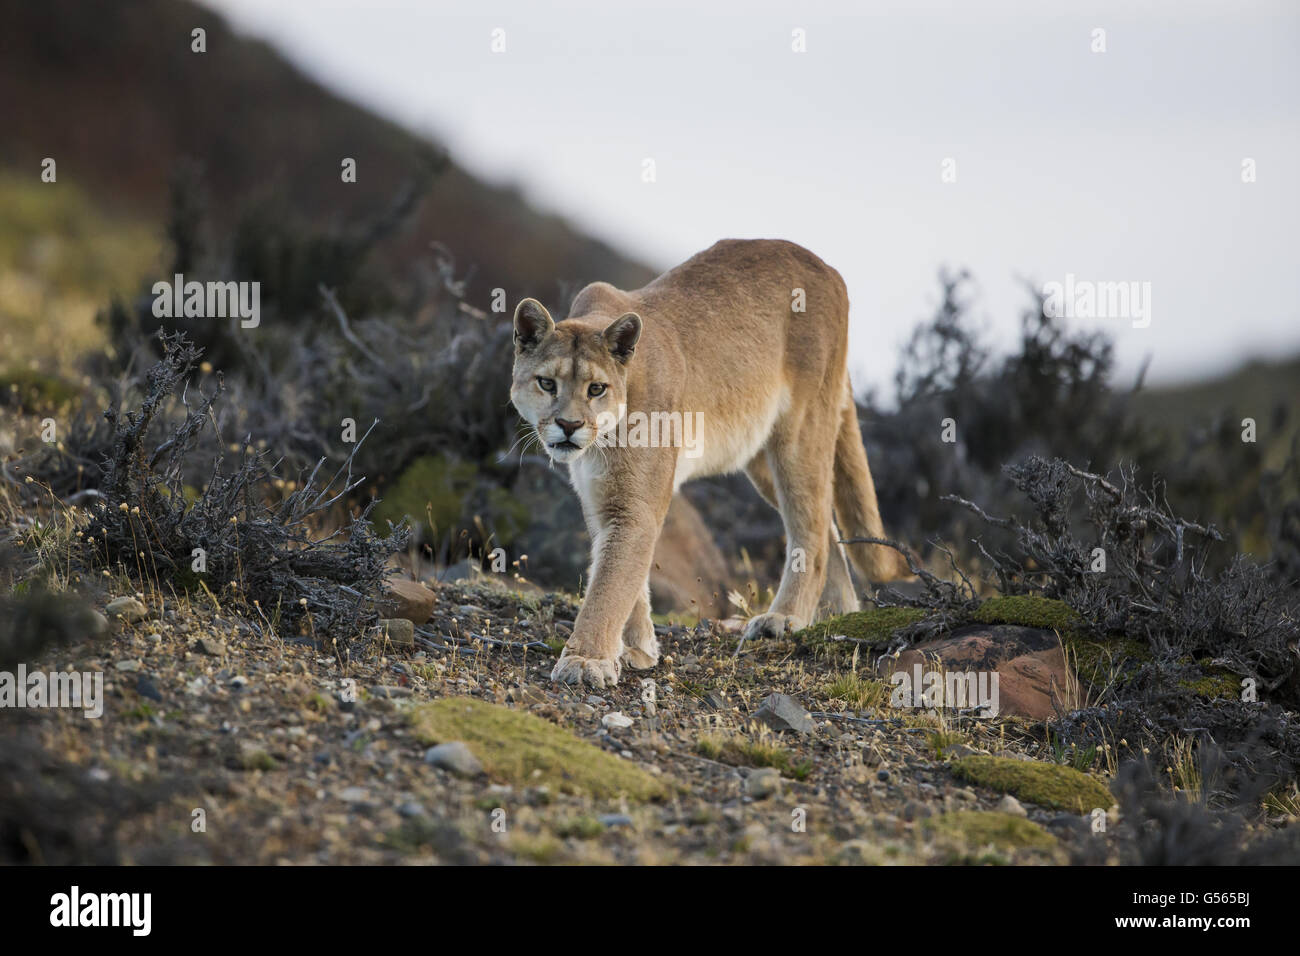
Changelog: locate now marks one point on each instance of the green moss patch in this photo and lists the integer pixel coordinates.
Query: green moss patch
(873, 626)
(980, 829)
(35, 391)
(741, 751)
(1049, 785)
(1029, 610)
(1215, 683)
(1100, 661)
(523, 750)
(431, 491)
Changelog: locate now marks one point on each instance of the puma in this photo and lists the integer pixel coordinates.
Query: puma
(718, 340)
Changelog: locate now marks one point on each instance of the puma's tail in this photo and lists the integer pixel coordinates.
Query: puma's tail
(856, 509)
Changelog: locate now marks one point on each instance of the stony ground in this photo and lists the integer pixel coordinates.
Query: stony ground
(298, 755)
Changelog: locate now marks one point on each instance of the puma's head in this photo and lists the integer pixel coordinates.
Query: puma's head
(570, 380)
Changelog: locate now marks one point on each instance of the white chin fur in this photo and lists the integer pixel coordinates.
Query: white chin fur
(564, 455)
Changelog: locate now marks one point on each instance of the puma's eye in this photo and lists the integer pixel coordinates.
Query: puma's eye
(547, 385)
(596, 389)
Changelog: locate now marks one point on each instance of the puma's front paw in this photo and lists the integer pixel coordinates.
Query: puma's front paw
(596, 671)
(771, 625)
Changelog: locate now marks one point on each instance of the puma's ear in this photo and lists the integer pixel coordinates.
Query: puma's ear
(622, 335)
(532, 324)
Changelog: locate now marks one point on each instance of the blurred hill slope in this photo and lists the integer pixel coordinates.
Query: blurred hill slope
(115, 95)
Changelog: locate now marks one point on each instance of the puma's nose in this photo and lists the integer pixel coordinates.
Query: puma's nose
(568, 427)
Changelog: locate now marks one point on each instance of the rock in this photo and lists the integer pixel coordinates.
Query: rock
(882, 775)
(762, 783)
(615, 820)
(408, 600)
(98, 623)
(689, 571)
(1009, 804)
(595, 700)
(1070, 824)
(717, 700)
(460, 571)
(146, 688)
(212, 646)
(390, 691)
(967, 794)
(616, 721)
(858, 853)
(916, 810)
(126, 609)
(781, 712)
(354, 794)
(399, 631)
(1028, 662)
(131, 665)
(411, 810)
(455, 757)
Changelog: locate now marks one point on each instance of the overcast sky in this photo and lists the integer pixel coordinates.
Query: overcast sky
(1123, 165)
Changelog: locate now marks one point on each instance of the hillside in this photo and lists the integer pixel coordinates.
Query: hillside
(122, 102)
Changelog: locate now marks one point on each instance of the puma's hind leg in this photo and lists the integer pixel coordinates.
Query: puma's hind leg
(839, 596)
(799, 457)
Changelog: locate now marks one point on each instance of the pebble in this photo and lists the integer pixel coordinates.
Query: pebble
(126, 609)
(763, 783)
(615, 820)
(212, 646)
(1009, 804)
(454, 756)
(131, 665)
(616, 721)
(916, 810)
(781, 712)
(398, 631)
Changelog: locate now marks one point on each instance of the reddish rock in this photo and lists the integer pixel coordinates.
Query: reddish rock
(407, 599)
(689, 572)
(1028, 662)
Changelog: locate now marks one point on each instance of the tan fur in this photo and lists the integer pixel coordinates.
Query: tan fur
(715, 335)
